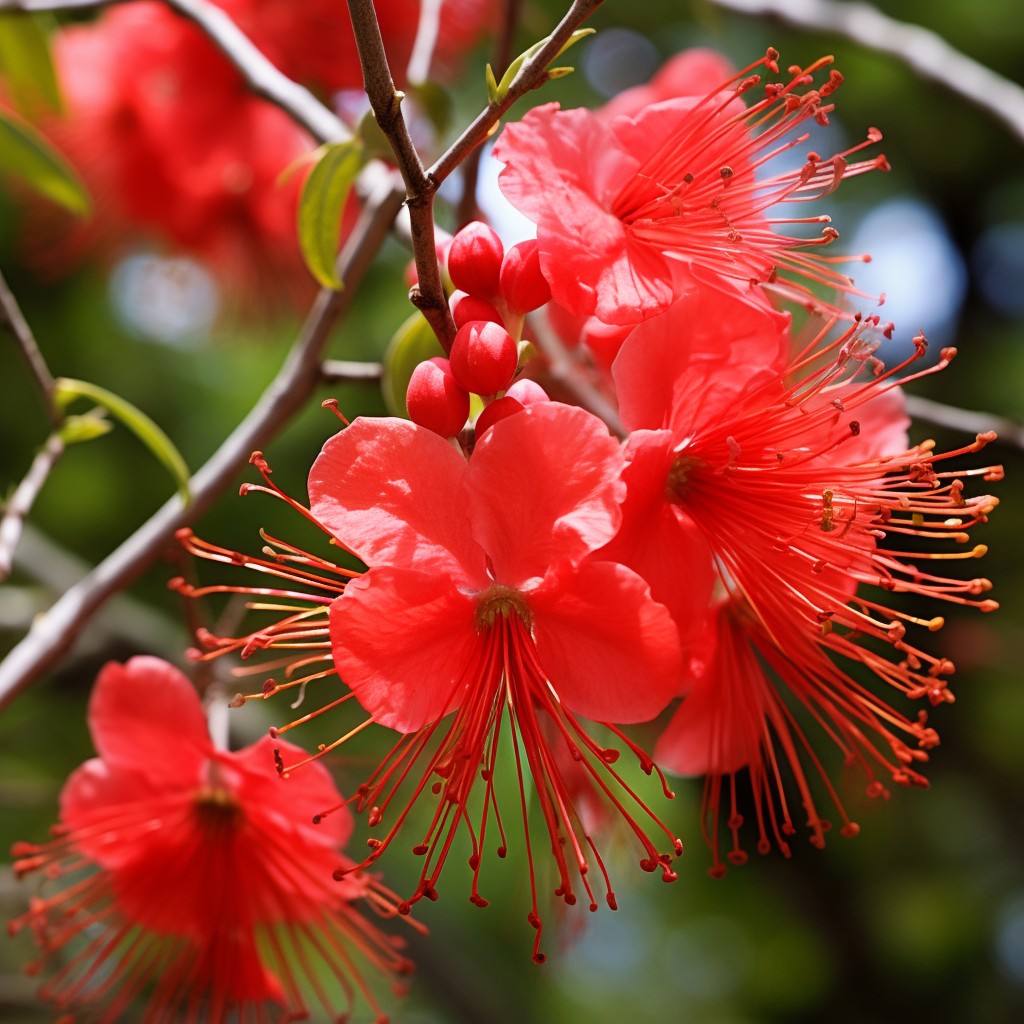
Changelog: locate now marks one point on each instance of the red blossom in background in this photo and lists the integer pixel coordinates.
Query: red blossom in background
(632, 211)
(792, 477)
(193, 876)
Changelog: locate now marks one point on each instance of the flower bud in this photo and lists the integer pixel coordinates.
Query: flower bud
(474, 260)
(499, 409)
(466, 308)
(434, 398)
(527, 392)
(484, 357)
(522, 285)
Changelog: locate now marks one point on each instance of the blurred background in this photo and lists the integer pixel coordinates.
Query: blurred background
(921, 917)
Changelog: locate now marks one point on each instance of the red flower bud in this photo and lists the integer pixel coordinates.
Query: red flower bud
(434, 398)
(497, 410)
(474, 260)
(484, 357)
(527, 391)
(466, 308)
(522, 285)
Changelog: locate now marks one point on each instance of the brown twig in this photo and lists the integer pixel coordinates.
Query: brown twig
(428, 294)
(468, 210)
(530, 76)
(260, 75)
(922, 49)
(54, 632)
(25, 494)
(19, 329)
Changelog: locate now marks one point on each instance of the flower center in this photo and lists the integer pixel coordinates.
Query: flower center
(504, 601)
(675, 482)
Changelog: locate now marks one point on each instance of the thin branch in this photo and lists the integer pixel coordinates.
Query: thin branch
(531, 75)
(922, 49)
(53, 632)
(17, 325)
(123, 618)
(25, 494)
(428, 294)
(1010, 432)
(468, 210)
(260, 75)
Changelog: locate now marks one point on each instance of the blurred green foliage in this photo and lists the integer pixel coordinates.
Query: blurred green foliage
(920, 918)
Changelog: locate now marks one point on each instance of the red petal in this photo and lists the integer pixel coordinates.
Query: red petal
(145, 716)
(679, 369)
(608, 649)
(658, 540)
(404, 641)
(543, 487)
(391, 492)
(288, 806)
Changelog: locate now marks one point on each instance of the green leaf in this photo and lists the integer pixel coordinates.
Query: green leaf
(86, 427)
(25, 62)
(502, 88)
(410, 345)
(321, 204)
(27, 155)
(134, 419)
(494, 97)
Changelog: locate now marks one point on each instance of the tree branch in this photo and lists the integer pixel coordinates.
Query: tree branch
(260, 75)
(427, 295)
(531, 75)
(54, 631)
(501, 57)
(16, 510)
(19, 329)
(922, 49)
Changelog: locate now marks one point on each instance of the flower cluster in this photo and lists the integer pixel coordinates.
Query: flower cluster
(179, 153)
(743, 549)
(735, 549)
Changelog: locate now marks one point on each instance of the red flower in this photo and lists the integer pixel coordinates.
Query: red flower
(481, 603)
(177, 152)
(631, 210)
(483, 622)
(790, 478)
(194, 874)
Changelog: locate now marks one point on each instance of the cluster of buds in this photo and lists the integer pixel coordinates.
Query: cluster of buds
(495, 291)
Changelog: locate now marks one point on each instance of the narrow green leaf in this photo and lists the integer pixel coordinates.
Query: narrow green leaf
(25, 62)
(27, 155)
(494, 95)
(86, 427)
(501, 90)
(321, 204)
(413, 342)
(134, 419)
